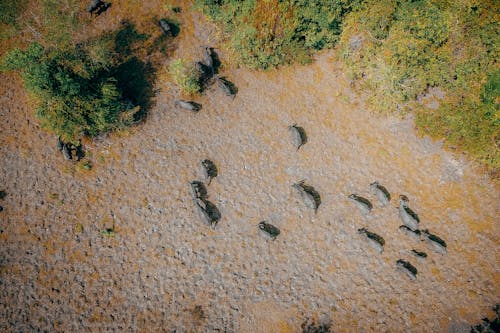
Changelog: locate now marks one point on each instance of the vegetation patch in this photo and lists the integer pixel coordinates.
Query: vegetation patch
(76, 89)
(87, 88)
(405, 53)
(186, 76)
(265, 34)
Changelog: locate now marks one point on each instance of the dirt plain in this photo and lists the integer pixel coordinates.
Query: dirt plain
(165, 270)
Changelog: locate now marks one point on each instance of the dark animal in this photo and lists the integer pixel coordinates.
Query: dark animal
(60, 144)
(1, 208)
(165, 27)
(377, 241)
(205, 72)
(104, 7)
(309, 194)
(436, 242)
(227, 87)
(66, 151)
(410, 232)
(408, 268)
(210, 170)
(269, 229)
(79, 154)
(363, 204)
(98, 7)
(188, 105)
(408, 216)
(419, 253)
(199, 190)
(489, 325)
(93, 6)
(211, 59)
(210, 212)
(381, 193)
(208, 57)
(299, 135)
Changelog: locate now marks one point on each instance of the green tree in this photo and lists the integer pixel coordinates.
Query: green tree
(77, 92)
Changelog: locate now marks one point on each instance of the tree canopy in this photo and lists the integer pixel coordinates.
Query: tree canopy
(77, 92)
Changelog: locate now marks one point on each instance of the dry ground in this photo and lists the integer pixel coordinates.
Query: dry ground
(59, 273)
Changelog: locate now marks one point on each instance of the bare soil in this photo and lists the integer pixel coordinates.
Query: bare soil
(164, 270)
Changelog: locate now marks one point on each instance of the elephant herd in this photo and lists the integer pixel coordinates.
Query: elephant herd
(312, 199)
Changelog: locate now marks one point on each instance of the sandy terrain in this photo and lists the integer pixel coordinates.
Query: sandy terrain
(165, 270)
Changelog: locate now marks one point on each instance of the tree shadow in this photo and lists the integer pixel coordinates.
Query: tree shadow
(135, 77)
(126, 37)
(216, 60)
(136, 81)
(165, 43)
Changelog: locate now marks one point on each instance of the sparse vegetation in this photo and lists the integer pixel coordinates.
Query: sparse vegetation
(78, 228)
(87, 165)
(59, 22)
(108, 232)
(186, 76)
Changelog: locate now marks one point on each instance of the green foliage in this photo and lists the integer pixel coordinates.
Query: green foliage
(265, 34)
(400, 49)
(186, 76)
(60, 22)
(77, 92)
(473, 125)
(87, 165)
(10, 10)
(108, 232)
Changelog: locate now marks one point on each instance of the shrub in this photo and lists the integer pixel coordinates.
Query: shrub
(10, 10)
(186, 76)
(265, 34)
(77, 93)
(400, 49)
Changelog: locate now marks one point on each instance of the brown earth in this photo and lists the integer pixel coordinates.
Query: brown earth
(59, 273)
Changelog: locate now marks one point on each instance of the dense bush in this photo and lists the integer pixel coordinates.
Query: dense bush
(10, 10)
(76, 90)
(264, 34)
(9, 17)
(401, 49)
